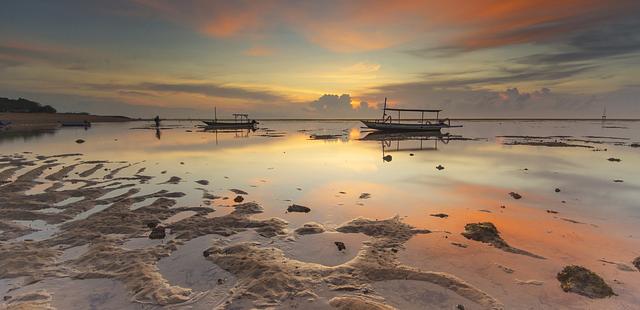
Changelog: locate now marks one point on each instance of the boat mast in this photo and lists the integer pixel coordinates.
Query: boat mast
(384, 110)
(215, 114)
(604, 114)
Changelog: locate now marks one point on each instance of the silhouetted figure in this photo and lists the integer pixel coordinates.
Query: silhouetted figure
(157, 120)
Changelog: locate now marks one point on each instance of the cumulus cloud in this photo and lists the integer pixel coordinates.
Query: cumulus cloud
(342, 106)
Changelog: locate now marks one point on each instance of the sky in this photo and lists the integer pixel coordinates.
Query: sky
(324, 59)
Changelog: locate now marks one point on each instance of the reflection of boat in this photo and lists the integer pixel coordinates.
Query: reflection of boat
(76, 124)
(386, 122)
(405, 135)
(390, 141)
(241, 121)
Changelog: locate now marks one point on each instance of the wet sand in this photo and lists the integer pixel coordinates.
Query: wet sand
(73, 222)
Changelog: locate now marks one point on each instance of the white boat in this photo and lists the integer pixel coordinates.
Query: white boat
(386, 123)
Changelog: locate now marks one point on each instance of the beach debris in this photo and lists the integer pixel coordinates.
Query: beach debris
(298, 208)
(387, 158)
(505, 268)
(80, 141)
(238, 199)
(439, 167)
(158, 232)
(557, 190)
(173, 180)
(582, 281)
(440, 215)
(238, 191)
(460, 245)
(614, 159)
(552, 211)
(515, 195)
(310, 229)
(340, 245)
(486, 232)
(203, 182)
(529, 282)
(365, 196)
(636, 262)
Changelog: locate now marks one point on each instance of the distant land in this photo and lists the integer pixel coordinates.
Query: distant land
(25, 114)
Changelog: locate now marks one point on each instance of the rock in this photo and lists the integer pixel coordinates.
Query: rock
(238, 199)
(298, 208)
(310, 228)
(486, 232)
(158, 232)
(440, 215)
(636, 262)
(203, 182)
(459, 307)
(439, 167)
(582, 281)
(552, 211)
(410, 154)
(618, 181)
(505, 268)
(460, 245)
(238, 191)
(529, 282)
(152, 224)
(515, 195)
(340, 245)
(79, 141)
(557, 190)
(614, 159)
(387, 158)
(365, 196)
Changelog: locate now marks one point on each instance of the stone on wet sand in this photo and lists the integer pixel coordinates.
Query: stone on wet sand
(310, 228)
(486, 232)
(79, 141)
(582, 281)
(298, 208)
(238, 199)
(515, 195)
(440, 215)
(439, 167)
(636, 262)
(614, 159)
(365, 196)
(557, 190)
(356, 302)
(340, 245)
(158, 232)
(238, 191)
(203, 182)
(387, 158)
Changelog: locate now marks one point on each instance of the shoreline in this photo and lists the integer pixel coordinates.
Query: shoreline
(30, 121)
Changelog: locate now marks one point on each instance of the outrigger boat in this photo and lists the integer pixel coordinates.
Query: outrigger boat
(386, 123)
(85, 124)
(241, 121)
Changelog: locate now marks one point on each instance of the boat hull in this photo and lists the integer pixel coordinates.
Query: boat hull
(405, 127)
(75, 124)
(225, 125)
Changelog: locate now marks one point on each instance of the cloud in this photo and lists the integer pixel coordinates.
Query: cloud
(258, 51)
(356, 26)
(362, 68)
(335, 106)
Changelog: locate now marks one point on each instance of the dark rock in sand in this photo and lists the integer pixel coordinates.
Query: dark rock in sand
(552, 211)
(298, 208)
(557, 190)
(440, 215)
(636, 262)
(486, 232)
(515, 195)
(387, 158)
(340, 245)
(460, 245)
(203, 182)
(459, 307)
(152, 224)
(580, 280)
(158, 232)
(365, 196)
(439, 167)
(238, 191)
(79, 141)
(614, 159)
(173, 180)
(238, 199)
(618, 181)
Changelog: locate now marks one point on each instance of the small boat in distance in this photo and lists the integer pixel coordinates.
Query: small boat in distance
(76, 124)
(386, 122)
(241, 121)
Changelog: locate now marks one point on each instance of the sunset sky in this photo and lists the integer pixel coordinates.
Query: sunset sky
(321, 59)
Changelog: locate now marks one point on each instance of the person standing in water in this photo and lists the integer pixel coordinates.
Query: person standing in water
(157, 120)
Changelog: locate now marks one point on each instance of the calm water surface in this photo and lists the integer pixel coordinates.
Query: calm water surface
(281, 164)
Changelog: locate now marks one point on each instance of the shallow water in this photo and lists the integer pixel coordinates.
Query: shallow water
(596, 217)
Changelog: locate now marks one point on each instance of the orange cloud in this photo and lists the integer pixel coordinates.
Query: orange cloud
(258, 51)
(364, 25)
